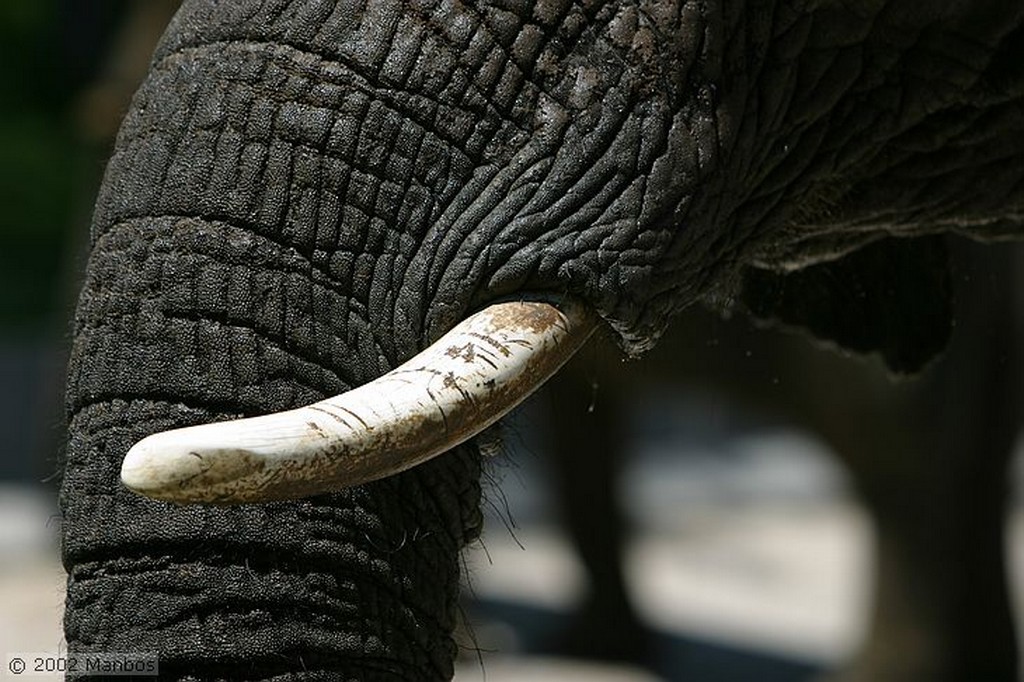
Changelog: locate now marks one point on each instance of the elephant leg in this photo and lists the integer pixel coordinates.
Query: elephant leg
(942, 609)
(937, 489)
(587, 460)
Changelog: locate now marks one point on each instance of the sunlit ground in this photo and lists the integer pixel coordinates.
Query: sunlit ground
(751, 555)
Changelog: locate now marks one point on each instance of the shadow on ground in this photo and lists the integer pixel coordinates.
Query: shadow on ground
(679, 658)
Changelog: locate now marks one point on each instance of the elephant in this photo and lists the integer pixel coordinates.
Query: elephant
(306, 196)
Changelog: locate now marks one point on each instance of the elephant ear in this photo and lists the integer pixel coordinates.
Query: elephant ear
(892, 297)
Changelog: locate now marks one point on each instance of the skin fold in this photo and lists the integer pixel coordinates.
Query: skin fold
(306, 193)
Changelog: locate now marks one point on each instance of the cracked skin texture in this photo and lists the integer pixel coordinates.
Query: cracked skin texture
(305, 193)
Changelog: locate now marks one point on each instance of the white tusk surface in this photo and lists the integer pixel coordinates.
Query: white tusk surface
(460, 385)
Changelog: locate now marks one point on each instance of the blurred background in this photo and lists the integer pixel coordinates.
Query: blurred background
(727, 524)
(67, 70)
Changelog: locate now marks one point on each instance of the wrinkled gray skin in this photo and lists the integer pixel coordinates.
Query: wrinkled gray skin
(305, 193)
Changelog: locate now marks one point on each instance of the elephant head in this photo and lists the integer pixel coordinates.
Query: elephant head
(305, 194)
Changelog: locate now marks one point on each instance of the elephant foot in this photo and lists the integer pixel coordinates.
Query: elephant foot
(934, 669)
(903, 676)
(591, 634)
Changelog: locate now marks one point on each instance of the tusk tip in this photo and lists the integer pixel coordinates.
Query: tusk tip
(156, 468)
(172, 466)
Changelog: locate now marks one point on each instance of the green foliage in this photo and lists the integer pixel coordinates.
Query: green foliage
(37, 152)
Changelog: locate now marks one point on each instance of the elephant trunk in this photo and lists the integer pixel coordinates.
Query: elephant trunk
(234, 272)
(361, 583)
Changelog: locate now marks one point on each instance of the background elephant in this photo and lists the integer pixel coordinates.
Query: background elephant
(305, 193)
(929, 458)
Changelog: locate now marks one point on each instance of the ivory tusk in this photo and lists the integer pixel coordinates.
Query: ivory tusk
(460, 385)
